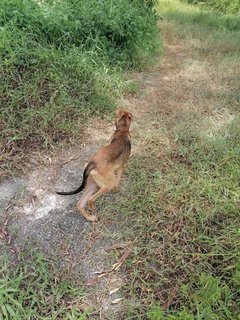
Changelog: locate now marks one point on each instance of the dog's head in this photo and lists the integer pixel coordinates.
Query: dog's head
(123, 118)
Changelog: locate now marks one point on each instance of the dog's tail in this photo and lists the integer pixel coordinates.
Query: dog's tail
(86, 172)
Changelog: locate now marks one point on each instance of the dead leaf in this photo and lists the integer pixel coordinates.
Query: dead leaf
(3, 233)
(114, 290)
(94, 280)
(169, 301)
(117, 300)
(98, 272)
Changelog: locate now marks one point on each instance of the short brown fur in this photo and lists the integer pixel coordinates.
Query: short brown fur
(104, 170)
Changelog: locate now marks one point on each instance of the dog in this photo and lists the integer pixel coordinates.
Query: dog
(104, 170)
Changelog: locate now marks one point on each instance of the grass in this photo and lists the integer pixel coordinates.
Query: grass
(185, 13)
(34, 290)
(181, 208)
(222, 6)
(184, 213)
(62, 63)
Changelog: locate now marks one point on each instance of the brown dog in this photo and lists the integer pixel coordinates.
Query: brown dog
(104, 170)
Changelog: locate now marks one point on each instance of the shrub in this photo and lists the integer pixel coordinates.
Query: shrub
(62, 61)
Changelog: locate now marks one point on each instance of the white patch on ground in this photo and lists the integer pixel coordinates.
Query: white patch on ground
(41, 204)
(40, 198)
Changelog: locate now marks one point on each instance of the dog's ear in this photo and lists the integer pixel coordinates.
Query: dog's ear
(119, 115)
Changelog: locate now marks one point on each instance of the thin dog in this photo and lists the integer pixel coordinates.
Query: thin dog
(104, 170)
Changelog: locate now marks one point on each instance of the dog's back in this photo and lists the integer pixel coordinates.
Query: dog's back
(117, 152)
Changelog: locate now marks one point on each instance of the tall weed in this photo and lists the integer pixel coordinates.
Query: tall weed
(62, 61)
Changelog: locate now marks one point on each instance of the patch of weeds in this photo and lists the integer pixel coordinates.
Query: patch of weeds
(187, 14)
(62, 62)
(215, 32)
(33, 290)
(181, 208)
(181, 211)
(210, 300)
(222, 6)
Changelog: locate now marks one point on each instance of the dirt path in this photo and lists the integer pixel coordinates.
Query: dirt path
(32, 215)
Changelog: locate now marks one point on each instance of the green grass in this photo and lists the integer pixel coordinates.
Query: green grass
(34, 290)
(64, 62)
(181, 207)
(184, 212)
(222, 6)
(190, 14)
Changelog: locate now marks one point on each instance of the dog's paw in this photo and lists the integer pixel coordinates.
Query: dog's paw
(91, 205)
(92, 218)
(116, 189)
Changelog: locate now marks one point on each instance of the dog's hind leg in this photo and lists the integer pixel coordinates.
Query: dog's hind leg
(119, 173)
(106, 183)
(88, 192)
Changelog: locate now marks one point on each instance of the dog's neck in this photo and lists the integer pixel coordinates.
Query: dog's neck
(121, 131)
(122, 128)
